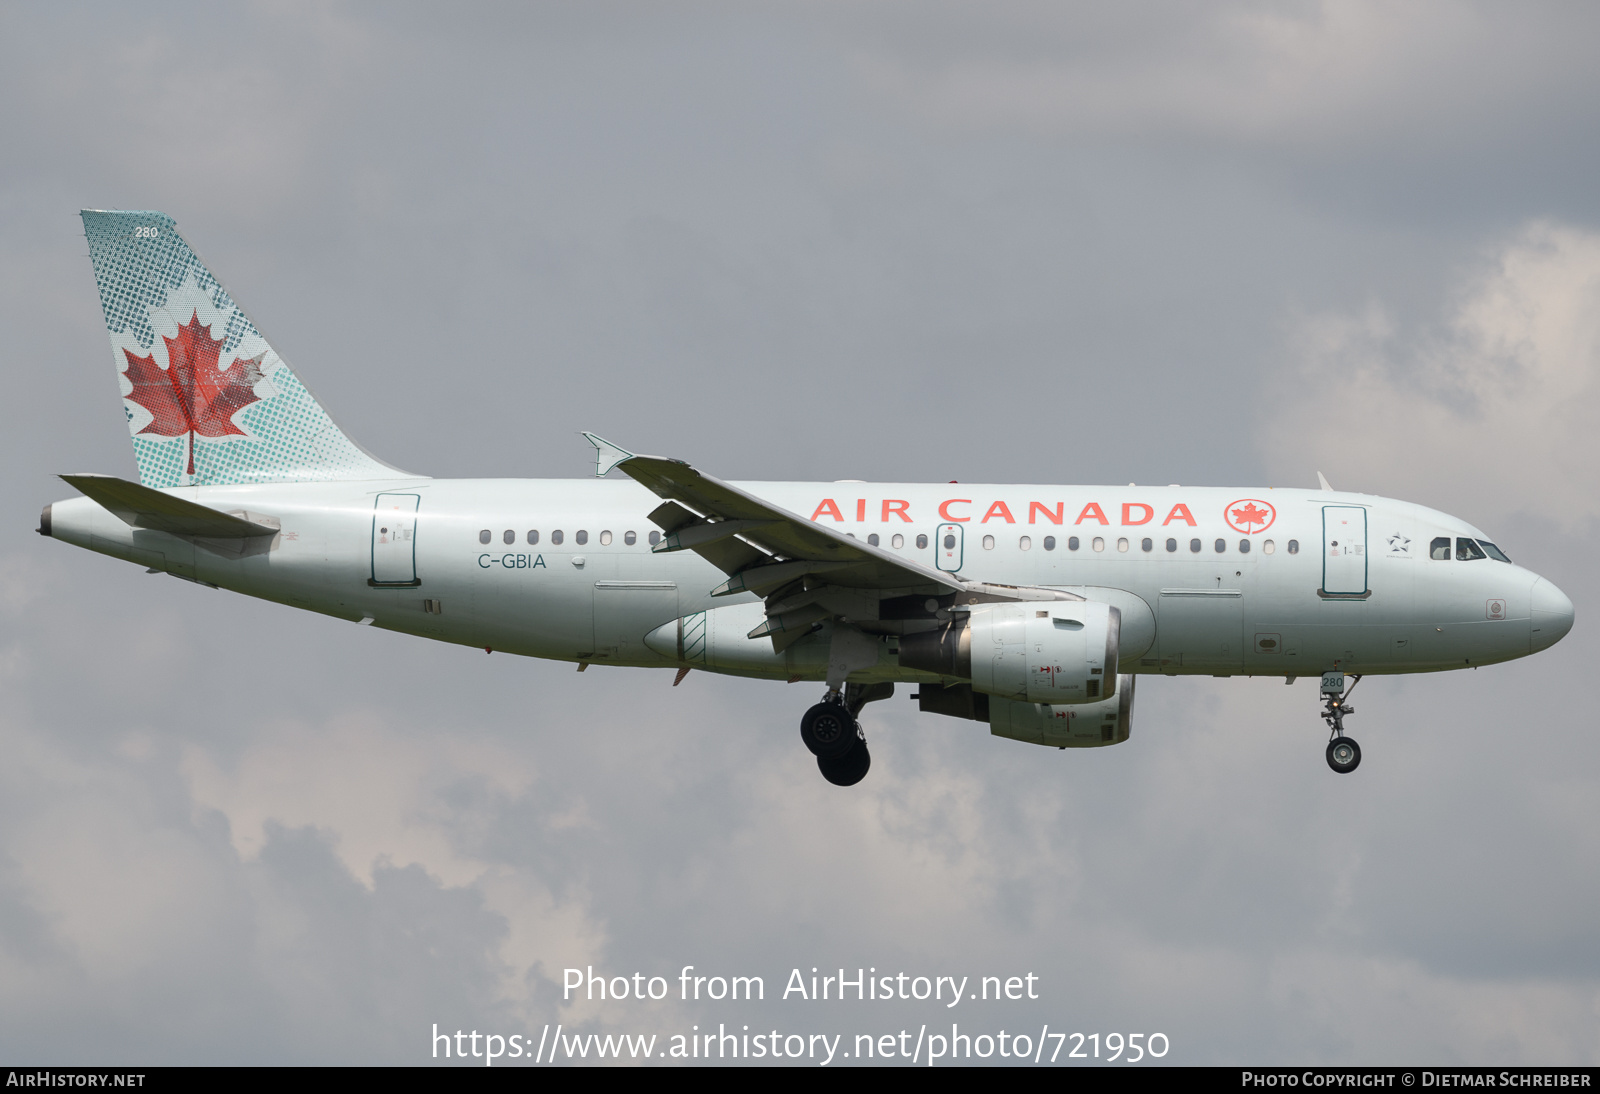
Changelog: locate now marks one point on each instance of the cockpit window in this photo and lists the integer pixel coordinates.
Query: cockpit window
(1467, 550)
(1440, 549)
(1494, 552)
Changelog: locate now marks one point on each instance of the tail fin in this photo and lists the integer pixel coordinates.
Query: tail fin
(209, 402)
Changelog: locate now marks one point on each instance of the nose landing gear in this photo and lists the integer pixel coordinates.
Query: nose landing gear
(832, 734)
(1343, 754)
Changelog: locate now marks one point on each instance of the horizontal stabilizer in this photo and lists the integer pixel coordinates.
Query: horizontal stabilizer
(142, 507)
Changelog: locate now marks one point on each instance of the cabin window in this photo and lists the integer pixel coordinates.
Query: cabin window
(922, 543)
(1439, 549)
(1244, 546)
(1072, 543)
(605, 539)
(509, 536)
(485, 536)
(1467, 550)
(1172, 545)
(1221, 545)
(533, 537)
(630, 538)
(655, 538)
(1049, 543)
(988, 543)
(1146, 545)
(873, 539)
(1267, 546)
(1098, 544)
(898, 541)
(1122, 545)
(1194, 546)
(1025, 543)
(581, 536)
(1494, 552)
(949, 543)
(556, 537)
(1294, 546)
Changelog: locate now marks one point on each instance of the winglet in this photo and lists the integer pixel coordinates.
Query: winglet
(606, 455)
(1321, 479)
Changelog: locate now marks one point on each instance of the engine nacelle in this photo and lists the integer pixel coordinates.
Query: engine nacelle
(1056, 652)
(1088, 725)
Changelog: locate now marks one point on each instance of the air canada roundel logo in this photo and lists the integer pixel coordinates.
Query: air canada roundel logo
(1250, 515)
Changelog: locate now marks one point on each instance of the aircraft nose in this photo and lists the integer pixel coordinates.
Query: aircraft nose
(1552, 615)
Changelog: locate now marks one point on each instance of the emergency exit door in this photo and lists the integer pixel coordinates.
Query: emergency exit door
(948, 546)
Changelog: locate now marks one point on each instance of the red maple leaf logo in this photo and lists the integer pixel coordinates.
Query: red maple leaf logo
(1250, 515)
(192, 395)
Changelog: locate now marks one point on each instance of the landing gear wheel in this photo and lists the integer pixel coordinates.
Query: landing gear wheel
(829, 732)
(1344, 755)
(846, 770)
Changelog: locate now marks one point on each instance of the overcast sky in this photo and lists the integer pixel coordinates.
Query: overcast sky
(1224, 244)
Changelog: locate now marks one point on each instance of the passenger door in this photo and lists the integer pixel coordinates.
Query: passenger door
(394, 536)
(1344, 551)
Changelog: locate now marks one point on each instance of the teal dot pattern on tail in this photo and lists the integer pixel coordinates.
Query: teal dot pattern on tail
(151, 283)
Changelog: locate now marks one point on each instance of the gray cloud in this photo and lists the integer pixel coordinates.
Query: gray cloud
(1465, 405)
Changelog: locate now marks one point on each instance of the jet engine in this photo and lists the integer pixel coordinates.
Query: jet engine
(1085, 725)
(1055, 652)
(1088, 725)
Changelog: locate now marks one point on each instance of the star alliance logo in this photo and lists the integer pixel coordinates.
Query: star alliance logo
(1399, 545)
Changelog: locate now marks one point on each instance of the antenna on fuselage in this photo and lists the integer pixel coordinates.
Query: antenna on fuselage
(1323, 481)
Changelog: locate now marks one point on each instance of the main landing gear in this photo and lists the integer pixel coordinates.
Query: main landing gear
(1344, 755)
(832, 733)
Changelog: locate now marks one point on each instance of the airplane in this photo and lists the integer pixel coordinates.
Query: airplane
(1032, 608)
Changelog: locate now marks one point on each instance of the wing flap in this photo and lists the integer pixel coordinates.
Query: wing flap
(669, 516)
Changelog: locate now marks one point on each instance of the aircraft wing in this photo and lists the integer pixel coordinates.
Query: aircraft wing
(806, 571)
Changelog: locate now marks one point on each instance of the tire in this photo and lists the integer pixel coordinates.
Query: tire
(1344, 755)
(849, 769)
(828, 730)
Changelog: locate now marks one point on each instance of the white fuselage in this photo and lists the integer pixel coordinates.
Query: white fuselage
(1329, 580)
